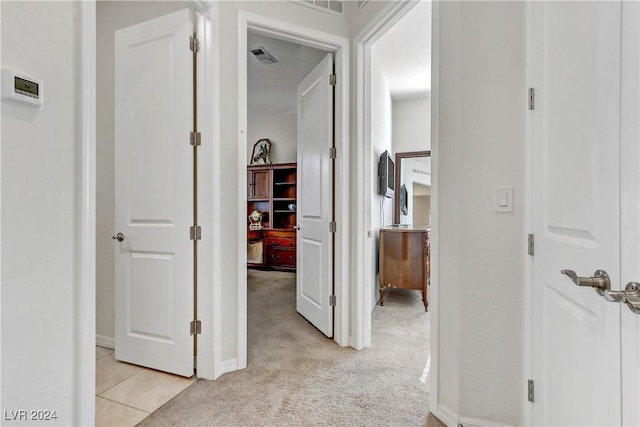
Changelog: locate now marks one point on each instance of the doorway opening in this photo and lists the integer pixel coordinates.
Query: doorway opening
(276, 69)
(394, 103)
(321, 158)
(399, 85)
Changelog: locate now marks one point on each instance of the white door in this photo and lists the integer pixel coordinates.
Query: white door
(578, 175)
(154, 193)
(630, 189)
(314, 276)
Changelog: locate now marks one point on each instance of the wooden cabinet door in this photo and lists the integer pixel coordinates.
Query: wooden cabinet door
(258, 184)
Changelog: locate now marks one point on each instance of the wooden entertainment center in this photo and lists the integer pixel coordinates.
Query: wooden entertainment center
(271, 189)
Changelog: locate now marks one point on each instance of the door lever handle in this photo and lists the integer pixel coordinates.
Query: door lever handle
(600, 280)
(630, 296)
(119, 237)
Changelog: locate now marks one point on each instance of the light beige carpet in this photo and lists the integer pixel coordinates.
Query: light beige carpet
(298, 377)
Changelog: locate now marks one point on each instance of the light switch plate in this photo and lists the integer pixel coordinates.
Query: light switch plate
(503, 199)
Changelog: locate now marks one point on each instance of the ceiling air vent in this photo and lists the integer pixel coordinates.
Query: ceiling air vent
(263, 56)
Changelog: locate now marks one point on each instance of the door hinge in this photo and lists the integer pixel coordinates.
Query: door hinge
(332, 227)
(531, 244)
(532, 98)
(332, 300)
(195, 232)
(195, 327)
(196, 139)
(194, 44)
(333, 79)
(333, 153)
(530, 390)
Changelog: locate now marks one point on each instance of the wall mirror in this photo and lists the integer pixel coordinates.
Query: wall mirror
(412, 199)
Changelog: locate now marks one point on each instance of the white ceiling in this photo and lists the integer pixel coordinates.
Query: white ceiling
(273, 87)
(404, 53)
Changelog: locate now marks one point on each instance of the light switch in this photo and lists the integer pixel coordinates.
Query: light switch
(503, 199)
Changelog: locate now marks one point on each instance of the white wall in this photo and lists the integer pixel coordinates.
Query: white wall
(271, 95)
(278, 127)
(40, 173)
(481, 134)
(411, 124)
(381, 131)
(111, 16)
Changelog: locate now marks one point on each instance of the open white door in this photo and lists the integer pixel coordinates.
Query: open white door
(314, 278)
(578, 178)
(154, 193)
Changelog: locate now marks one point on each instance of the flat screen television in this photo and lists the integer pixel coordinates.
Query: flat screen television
(386, 175)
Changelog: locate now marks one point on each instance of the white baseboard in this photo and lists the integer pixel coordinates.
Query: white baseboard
(474, 422)
(446, 415)
(451, 419)
(105, 341)
(225, 367)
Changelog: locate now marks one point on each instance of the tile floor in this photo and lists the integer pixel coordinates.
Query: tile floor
(126, 394)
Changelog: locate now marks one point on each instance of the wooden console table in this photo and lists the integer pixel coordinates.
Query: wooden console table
(404, 259)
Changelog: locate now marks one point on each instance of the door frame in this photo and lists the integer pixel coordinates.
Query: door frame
(362, 272)
(339, 46)
(85, 304)
(527, 363)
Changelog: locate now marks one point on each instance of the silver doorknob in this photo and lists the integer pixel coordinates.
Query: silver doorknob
(600, 280)
(119, 237)
(630, 296)
(297, 226)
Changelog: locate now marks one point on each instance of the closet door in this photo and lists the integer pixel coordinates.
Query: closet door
(585, 187)
(154, 194)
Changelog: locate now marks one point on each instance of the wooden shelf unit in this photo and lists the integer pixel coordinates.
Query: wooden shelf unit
(271, 189)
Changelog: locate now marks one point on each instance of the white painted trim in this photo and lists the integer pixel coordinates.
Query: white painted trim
(1, 213)
(452, 419)
(527, 365)
(362, 278)
(213, 89)
(85, 290)
(208, 350)
(202, 5)
(209, 359)
(105, 341)
(243, 25)
(446, 415)
(229, 365)
(476, 422)
(340, 46)
(434, 262)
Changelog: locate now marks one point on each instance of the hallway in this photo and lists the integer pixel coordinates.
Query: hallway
(296, 376)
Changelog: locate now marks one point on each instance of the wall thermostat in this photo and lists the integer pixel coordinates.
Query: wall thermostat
(22, 88)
